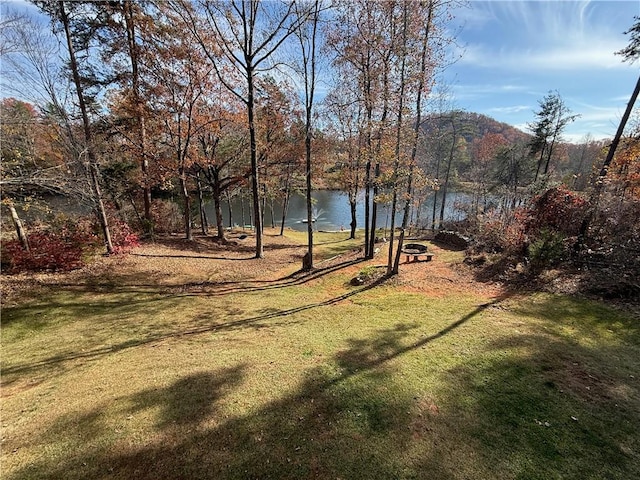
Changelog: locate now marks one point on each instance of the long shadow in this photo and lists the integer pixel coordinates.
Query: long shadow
(366, 357)
(191, 399)
(299, 277)
(255, 321)
(198, 257)
(501, 416)
(355, 425)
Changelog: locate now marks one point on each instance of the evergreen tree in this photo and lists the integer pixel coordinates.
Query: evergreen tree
(551, 120)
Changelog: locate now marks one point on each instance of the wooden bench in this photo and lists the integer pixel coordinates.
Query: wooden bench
(416, 250)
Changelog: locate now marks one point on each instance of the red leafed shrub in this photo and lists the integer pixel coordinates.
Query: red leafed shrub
(557, 209)
(123, 237)
(59, 250)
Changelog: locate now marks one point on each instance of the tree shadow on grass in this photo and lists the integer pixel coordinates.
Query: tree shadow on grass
(559, 401)
(504, 412)
(299, 277)
(55, 363)
(141, 284)
(190, 400)
(353, 422)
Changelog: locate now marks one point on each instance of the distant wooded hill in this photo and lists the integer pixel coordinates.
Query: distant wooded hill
(473, 125)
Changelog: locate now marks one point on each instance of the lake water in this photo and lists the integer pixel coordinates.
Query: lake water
(333, 213)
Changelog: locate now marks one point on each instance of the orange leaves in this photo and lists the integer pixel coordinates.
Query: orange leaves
(624, 173)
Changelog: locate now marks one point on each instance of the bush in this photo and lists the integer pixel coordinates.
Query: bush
(497, 235)
(123, 237)
(557, 209)
(60, 249)
(64, 245)
(547, 250)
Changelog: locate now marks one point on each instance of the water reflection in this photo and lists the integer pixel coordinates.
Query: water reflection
(332, 210)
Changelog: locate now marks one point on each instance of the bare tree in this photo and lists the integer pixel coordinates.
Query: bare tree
(307, 35)
(424, 73)
(246, 34)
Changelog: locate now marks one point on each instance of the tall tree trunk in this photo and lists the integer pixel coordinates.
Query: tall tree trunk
(367, 206)
(416, 133)
(216, 194)
(287, 194)
(186, 198)
(308, 262)
(273, 221)
(285, 207)
(540, 160)
(255, 183)
(392, 266)
(94, 174)
(374, 213)
(230, 209)
(448, 171)
(435, 191)
(217, 205)
(367, 171)
(244, 222)
(595, 196)
(352, 208)
(308, 51)
(264, 200)
(434, 209)
(140, 117)
(204, 224)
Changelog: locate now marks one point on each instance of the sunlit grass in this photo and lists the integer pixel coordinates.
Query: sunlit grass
(318, 379)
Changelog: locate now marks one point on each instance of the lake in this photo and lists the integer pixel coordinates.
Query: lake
(332, 209)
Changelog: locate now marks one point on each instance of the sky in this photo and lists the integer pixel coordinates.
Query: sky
(512, 53)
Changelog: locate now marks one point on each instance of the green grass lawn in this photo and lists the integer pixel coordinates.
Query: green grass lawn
(317, 379)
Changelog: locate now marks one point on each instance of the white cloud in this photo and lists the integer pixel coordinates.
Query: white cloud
(559, 58)
(547, 36)
(512, 109)
(467, 91)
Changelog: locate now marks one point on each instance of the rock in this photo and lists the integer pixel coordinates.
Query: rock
(453, 239)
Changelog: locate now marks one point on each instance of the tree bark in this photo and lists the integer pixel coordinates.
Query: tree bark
(17, 223)
(392, 266)
(204, 224)
(255, 185)
(186, 198)
(230, 209)
(94, 174)
(448, 171)
(352, 207)
(285, 207)
(140, 117)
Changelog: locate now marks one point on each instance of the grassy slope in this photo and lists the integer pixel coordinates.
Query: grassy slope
(296, 381)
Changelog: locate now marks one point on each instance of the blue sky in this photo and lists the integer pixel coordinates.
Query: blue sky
(512, 53)
(515, 52)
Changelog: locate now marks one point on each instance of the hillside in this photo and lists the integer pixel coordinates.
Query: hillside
(473, 125)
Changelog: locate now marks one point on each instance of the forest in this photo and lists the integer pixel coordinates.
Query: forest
(161, 107)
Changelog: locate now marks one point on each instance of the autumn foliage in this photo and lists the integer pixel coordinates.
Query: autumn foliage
(51, 249)
(558, 209)
(64, 247)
